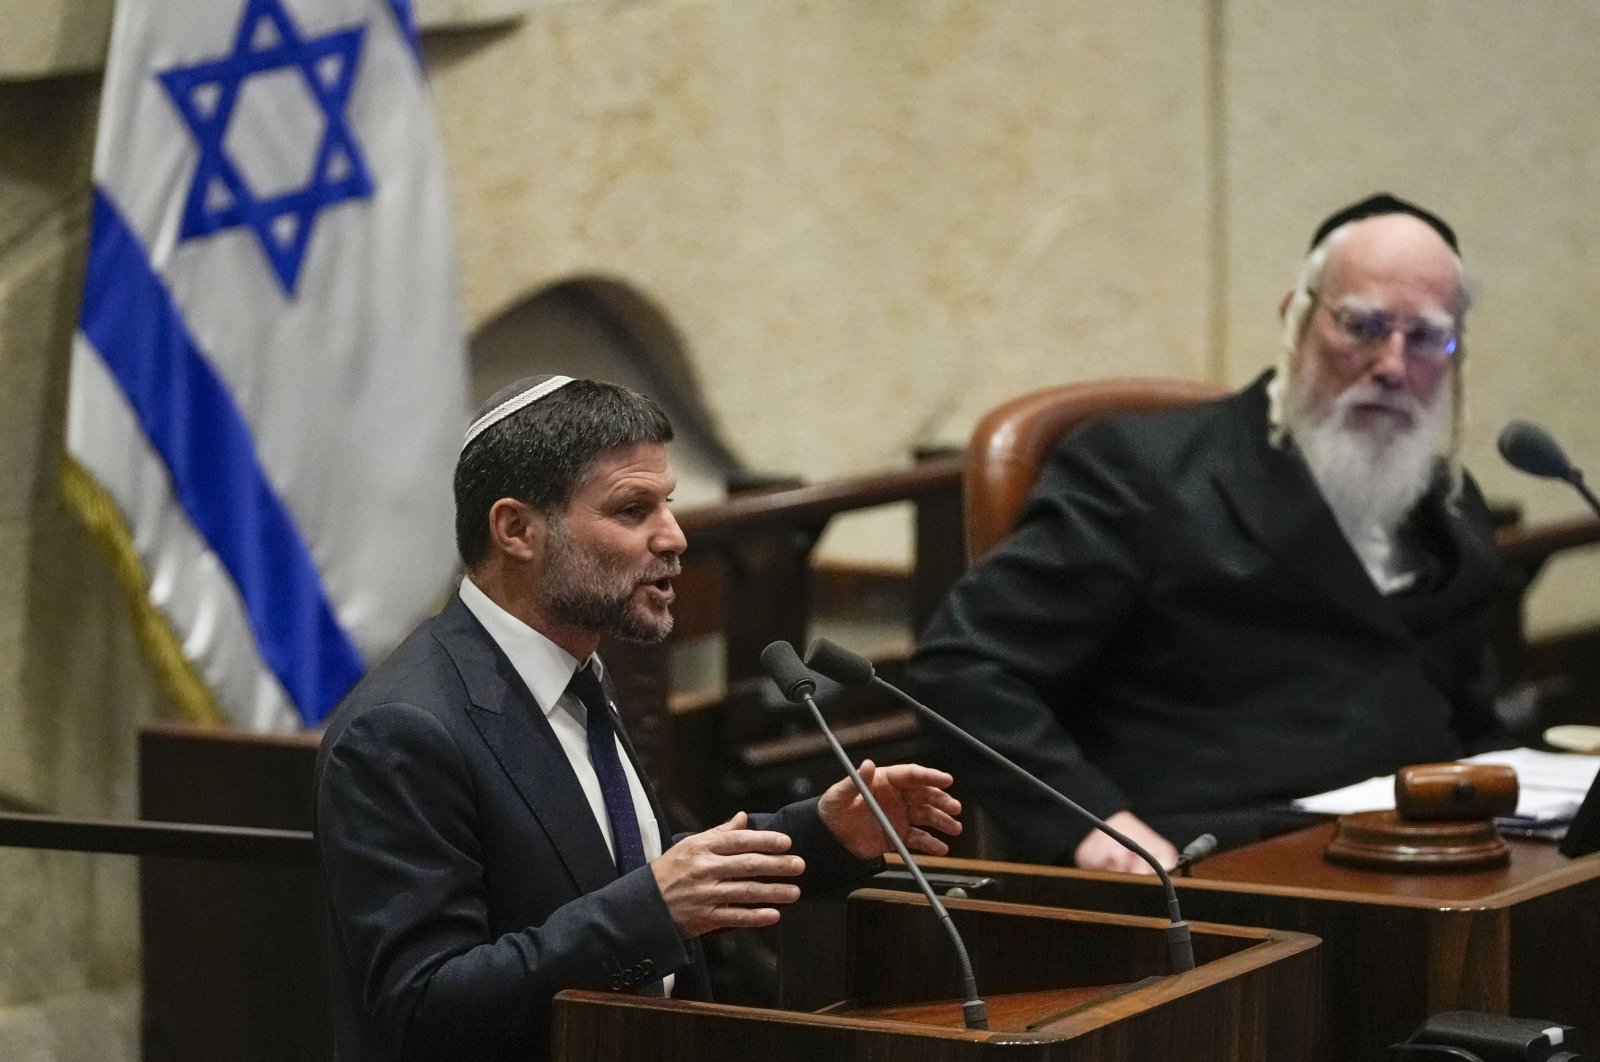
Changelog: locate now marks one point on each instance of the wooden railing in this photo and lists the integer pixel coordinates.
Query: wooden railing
(1527, 546)
(232, 943)
(184, 840)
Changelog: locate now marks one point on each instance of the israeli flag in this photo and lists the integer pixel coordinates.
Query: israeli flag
(268, 378)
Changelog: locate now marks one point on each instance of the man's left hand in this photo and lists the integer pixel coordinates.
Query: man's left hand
(913, 798)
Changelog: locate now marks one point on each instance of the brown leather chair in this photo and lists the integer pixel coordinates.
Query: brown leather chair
(1011, 441)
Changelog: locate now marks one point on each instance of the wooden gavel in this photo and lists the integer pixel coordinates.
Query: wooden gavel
(1443, 820)
(1454, 792)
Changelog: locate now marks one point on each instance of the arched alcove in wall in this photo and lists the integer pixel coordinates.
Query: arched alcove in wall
(605, 329)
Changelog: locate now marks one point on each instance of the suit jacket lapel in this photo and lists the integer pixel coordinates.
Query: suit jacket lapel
(1272, 493)
(517, 733)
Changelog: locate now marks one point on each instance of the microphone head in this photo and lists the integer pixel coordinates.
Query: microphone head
(1197, 849)
(782, 665)
(838, 663)
(1530, 448)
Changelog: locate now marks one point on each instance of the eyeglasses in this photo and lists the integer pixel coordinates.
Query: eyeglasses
(1423, 340)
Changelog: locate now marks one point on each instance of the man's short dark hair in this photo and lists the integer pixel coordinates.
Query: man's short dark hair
(541, 454)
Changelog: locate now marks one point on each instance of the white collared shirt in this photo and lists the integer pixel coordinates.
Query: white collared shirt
(1384, 557)
(547, 668)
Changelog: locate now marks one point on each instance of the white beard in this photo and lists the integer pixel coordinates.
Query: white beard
(1371, 477)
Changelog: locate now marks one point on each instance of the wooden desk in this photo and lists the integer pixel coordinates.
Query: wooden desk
(1523, 940)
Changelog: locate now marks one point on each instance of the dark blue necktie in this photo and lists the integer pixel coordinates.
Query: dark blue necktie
(608, 768)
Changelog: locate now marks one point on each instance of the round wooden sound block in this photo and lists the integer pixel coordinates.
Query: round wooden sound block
(1380, 840)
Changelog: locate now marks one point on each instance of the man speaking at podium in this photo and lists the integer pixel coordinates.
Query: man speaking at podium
(485, 838)
(1206, 612)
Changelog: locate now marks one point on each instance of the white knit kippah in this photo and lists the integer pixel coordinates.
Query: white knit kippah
(522, 394)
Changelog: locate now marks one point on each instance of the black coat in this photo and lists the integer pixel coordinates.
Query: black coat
(1178, 627)
(466, 877)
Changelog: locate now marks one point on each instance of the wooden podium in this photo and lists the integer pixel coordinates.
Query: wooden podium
(1396, 948)
(1059, 985)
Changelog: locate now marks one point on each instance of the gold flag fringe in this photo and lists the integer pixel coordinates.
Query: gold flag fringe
(176, 673)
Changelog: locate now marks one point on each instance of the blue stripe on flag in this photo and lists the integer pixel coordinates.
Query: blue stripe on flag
(407, 21)
(192, 422)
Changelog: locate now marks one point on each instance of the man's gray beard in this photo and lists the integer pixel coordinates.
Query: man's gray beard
(1371, 479)
(577, 588)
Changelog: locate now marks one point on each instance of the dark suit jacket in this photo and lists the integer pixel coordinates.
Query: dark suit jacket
(1178, 627)
(467, 880)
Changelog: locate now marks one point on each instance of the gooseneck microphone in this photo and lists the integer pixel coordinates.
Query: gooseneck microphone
(782, 665)
(1529, 448)
(850, 669)
(1193, 852)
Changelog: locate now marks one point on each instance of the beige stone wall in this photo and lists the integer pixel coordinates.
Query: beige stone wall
(867, 220)
(72, 685)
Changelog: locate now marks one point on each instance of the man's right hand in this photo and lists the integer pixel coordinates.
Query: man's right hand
(707, 879)
(1099, 852)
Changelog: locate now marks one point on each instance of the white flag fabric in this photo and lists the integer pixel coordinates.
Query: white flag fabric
(268, 379)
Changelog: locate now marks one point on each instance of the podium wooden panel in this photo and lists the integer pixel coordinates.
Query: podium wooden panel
(1518, 940)
(1060, 985)
(235, 954)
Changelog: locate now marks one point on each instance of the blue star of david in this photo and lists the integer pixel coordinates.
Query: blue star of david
(205, 94)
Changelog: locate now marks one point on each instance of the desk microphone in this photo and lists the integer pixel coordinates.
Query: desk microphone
(782, 665)
(849, 669)
(1193, 852)
(1529, 448)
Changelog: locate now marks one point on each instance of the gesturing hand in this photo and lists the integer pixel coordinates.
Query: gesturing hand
(707, 879)
(912, 796)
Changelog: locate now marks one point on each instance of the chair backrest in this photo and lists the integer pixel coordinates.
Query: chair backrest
(1010, 443)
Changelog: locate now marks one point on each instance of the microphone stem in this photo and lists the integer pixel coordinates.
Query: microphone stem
(974, 1011)
(1179, 947)
(1576, 479)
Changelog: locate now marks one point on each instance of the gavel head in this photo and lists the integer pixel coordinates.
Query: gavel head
(1454, 792)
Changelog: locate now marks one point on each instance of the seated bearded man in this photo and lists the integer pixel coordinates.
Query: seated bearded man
(1206, 612)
